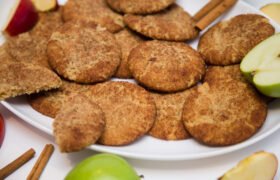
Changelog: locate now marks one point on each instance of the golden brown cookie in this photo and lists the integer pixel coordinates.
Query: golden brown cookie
(168, 124)
(22, 78)
(4, 56)
(172, 24)
(166, 66)
(79, 123)
(93, 10)
(139, 6)
(129, 111)
(214, 73)
(83, 54)
(217, 73)
(47, 24)
(24, 48)
(223, 113)
(49, 103)
(229, 41)
(127, 41)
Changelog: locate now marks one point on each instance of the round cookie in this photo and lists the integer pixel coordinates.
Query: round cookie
(228, 42)
(214, 73)
(93, 10)
(139, 6)
(47, 24)
(166, 66)
(172, 24)
(168, 124)
(225, 73)
(223, 113)
(129, 111)
(127, 41)
(49, 103)
(24, 48)
(78, 124)
(4, 56)
(83, 54)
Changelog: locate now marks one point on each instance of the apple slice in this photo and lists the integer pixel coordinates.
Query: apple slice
(44, 5)
(23, 19)
(259, 166)
(262, 66)
(272, 10)
(2, 130)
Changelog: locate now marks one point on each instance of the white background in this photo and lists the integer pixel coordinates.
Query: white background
(21, 136)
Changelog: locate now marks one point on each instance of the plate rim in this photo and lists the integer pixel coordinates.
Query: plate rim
(153, 157)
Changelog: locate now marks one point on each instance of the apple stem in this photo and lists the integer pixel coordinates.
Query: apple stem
(141, 176)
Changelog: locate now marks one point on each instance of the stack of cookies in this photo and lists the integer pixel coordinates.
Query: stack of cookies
(176, 92)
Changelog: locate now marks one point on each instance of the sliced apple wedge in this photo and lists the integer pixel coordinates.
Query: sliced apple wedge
(23, 18)
(262, 66)
(272, 10)
(45, 5)
(259, 166)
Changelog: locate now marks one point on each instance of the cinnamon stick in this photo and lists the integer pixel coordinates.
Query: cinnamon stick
(41, 162)
(215, 13)
(13, 166)
(206, 9)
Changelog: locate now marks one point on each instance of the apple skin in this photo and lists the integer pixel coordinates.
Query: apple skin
(271, 91)
(24, 18)
(253, 64)
(103, 167)
(260, 165)
(2, 130)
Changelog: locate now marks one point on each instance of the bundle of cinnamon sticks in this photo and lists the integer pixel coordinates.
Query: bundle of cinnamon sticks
(211, 11)
(24, 158)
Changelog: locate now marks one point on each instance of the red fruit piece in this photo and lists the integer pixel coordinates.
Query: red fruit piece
(24, 18)
(2, 129)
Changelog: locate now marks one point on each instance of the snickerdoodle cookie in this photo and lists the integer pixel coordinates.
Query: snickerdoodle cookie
(47, 24)
(214, 73)
(24, 78)
(83, 54)
(79, 124)
(129, 111)
(166, 66)
(49, 103)
(227, 73)
(168, 124)
(172, 24)
(4, 56)
(223, 112)
(24, 48)
(228, 42)
(139, 6)
(93, 10)
(127, 41)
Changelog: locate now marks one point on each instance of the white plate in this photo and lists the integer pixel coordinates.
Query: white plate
(148, 147)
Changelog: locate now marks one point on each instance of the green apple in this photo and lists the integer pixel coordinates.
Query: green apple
(103, 167)
(258, 166)
(262, 66)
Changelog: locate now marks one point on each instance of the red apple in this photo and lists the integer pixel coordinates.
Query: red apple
(45, 5)
(24, 19)
(2, 129)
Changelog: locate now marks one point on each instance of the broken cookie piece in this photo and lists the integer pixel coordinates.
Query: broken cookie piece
(79, 124)
(22, 78)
